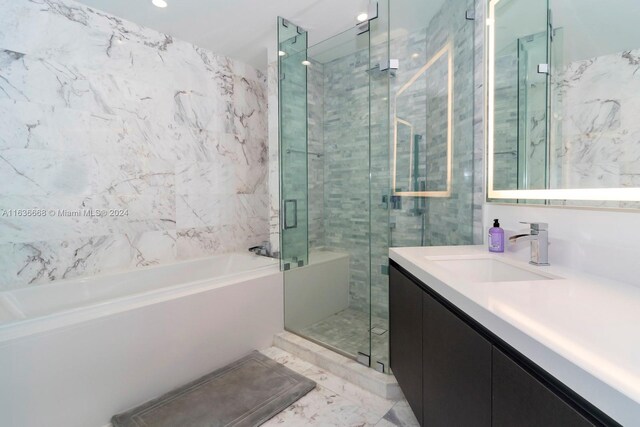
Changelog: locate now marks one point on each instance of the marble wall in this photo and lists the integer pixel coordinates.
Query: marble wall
(97, 113)
(346, 151)
(316, 157)
(273, 120)
(597, 130)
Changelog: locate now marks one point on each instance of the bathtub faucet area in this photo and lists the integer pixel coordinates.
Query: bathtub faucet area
(264, 249)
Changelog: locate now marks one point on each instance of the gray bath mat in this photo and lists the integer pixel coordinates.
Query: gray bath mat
(245, 393)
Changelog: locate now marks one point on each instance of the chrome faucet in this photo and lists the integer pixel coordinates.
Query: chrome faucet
(539, 238)
(264, 249)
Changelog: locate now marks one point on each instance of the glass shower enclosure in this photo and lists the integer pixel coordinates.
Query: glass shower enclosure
(376, 150)
(327, 117)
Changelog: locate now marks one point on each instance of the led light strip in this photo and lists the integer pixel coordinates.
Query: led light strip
(447, 49)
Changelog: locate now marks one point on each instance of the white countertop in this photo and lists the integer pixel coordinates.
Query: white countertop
(583, 330)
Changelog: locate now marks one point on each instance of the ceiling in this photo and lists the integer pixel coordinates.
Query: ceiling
(240, 29)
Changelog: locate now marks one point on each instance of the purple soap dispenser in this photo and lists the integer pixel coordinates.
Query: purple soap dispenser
(496, 237)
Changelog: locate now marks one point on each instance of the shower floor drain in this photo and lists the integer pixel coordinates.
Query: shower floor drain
(378, 330)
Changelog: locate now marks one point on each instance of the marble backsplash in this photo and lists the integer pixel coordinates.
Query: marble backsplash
(97, 113)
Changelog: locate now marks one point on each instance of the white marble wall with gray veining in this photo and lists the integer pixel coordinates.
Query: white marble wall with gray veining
(274, 153)
(100, 113)
(599, 145)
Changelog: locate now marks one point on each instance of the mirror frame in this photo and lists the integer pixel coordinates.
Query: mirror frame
(587, 194)
(447, 49)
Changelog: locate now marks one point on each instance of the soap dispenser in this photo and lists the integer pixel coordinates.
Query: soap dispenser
(496, 237)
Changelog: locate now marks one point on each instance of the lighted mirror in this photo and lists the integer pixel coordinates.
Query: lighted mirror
(423, 140)
(563, 87)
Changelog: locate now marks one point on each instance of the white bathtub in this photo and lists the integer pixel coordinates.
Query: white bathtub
(75, 352)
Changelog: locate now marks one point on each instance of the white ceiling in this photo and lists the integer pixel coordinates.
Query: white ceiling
(240, 29)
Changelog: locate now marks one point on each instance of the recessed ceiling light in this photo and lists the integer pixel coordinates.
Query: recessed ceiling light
(306, 63)
(281, 53)
(159, 3)
(362, 17)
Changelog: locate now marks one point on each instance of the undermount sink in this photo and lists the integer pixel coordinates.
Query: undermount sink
(489, 270)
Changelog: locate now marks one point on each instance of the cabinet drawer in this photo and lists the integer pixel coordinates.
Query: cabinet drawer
(456, 370)
(520, 399)
(405, 338)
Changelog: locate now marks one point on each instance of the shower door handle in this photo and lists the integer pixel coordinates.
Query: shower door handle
(290, 204)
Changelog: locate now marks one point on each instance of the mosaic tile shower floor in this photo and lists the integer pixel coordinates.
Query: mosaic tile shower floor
(348, 331)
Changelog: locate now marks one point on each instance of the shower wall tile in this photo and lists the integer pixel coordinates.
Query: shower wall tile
(479, 111)
(448, 220)
(346, 168)
(315, 165)
(99, 113)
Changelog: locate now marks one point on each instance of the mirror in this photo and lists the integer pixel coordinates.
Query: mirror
(423, 140)
(563, 82)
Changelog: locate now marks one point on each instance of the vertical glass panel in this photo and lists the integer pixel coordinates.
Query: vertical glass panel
(432, 142)
(328, 300)
(292, 104)
(379, 184)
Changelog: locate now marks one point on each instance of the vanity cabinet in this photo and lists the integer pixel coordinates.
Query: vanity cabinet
(520, 399)
(456, 369)
(454, 372)
(405, 317)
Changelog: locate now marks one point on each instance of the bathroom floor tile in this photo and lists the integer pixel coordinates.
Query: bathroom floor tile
(324, 407)
(287, 359)
(367, 400)
(349, 330)
(336, 402)
(385, 423)
(401, 415)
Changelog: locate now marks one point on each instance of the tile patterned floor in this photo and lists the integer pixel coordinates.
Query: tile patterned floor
(336, 402)
(348, 331)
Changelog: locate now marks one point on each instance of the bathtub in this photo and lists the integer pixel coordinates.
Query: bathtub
(75, 352)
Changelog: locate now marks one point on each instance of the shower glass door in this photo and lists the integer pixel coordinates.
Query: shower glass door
(325, 168)
(292, 49)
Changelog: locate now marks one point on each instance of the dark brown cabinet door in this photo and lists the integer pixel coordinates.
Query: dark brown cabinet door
(405, 337)
(456, 370)
(520, 399)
